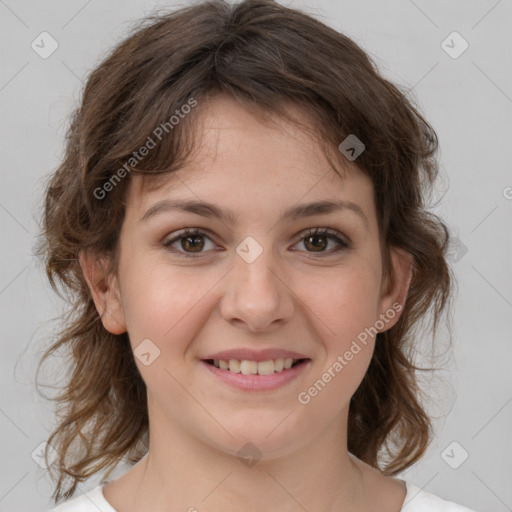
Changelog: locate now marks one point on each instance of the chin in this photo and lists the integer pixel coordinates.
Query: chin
(259, 436)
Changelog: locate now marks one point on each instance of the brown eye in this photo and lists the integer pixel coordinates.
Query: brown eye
(316, 243)
(190, 243)
(316, 240)
(193, 243)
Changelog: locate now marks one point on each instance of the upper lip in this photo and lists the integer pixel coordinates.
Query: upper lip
(255, 355)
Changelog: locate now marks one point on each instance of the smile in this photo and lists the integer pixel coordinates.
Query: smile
(256, 376)
(248, 367)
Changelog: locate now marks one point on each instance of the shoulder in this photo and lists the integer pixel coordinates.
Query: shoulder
(91, 501)
(417, 500)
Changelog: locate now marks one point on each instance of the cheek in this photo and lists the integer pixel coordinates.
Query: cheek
(163, 306)
(346, 307)
(160, 303)
(345, 300)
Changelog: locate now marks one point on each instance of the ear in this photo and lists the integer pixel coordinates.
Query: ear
(105, 291)
(394, 291)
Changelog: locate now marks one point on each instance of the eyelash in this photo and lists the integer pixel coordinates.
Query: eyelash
(332, 234)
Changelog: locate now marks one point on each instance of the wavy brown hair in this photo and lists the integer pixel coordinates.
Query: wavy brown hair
(265, 56)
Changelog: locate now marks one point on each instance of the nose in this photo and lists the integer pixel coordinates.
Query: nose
(256, 296)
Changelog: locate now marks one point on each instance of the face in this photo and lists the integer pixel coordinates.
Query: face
(256, 282)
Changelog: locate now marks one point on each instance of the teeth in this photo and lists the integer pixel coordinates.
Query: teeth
(234, 365)
(247, 367)
(266, 367)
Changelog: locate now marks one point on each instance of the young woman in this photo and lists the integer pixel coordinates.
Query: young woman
(240, 225)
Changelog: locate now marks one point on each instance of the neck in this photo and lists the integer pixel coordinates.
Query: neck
(181, 472)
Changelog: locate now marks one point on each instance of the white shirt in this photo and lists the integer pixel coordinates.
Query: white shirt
(416, 500)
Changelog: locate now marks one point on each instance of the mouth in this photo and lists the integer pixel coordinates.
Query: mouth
(252, 376)
(251, 367)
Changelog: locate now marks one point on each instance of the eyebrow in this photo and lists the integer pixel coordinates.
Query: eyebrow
(205, 209)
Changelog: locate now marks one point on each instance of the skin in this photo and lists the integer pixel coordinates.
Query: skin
(315, 303)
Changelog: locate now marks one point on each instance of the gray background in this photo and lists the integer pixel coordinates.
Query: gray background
(468, 100)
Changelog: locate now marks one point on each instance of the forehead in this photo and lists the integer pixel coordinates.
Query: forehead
(240, 150)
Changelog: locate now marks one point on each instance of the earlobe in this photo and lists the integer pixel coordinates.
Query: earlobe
(394, 295)
(105, 292)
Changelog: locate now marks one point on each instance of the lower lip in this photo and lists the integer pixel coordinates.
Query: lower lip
(257, 382)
